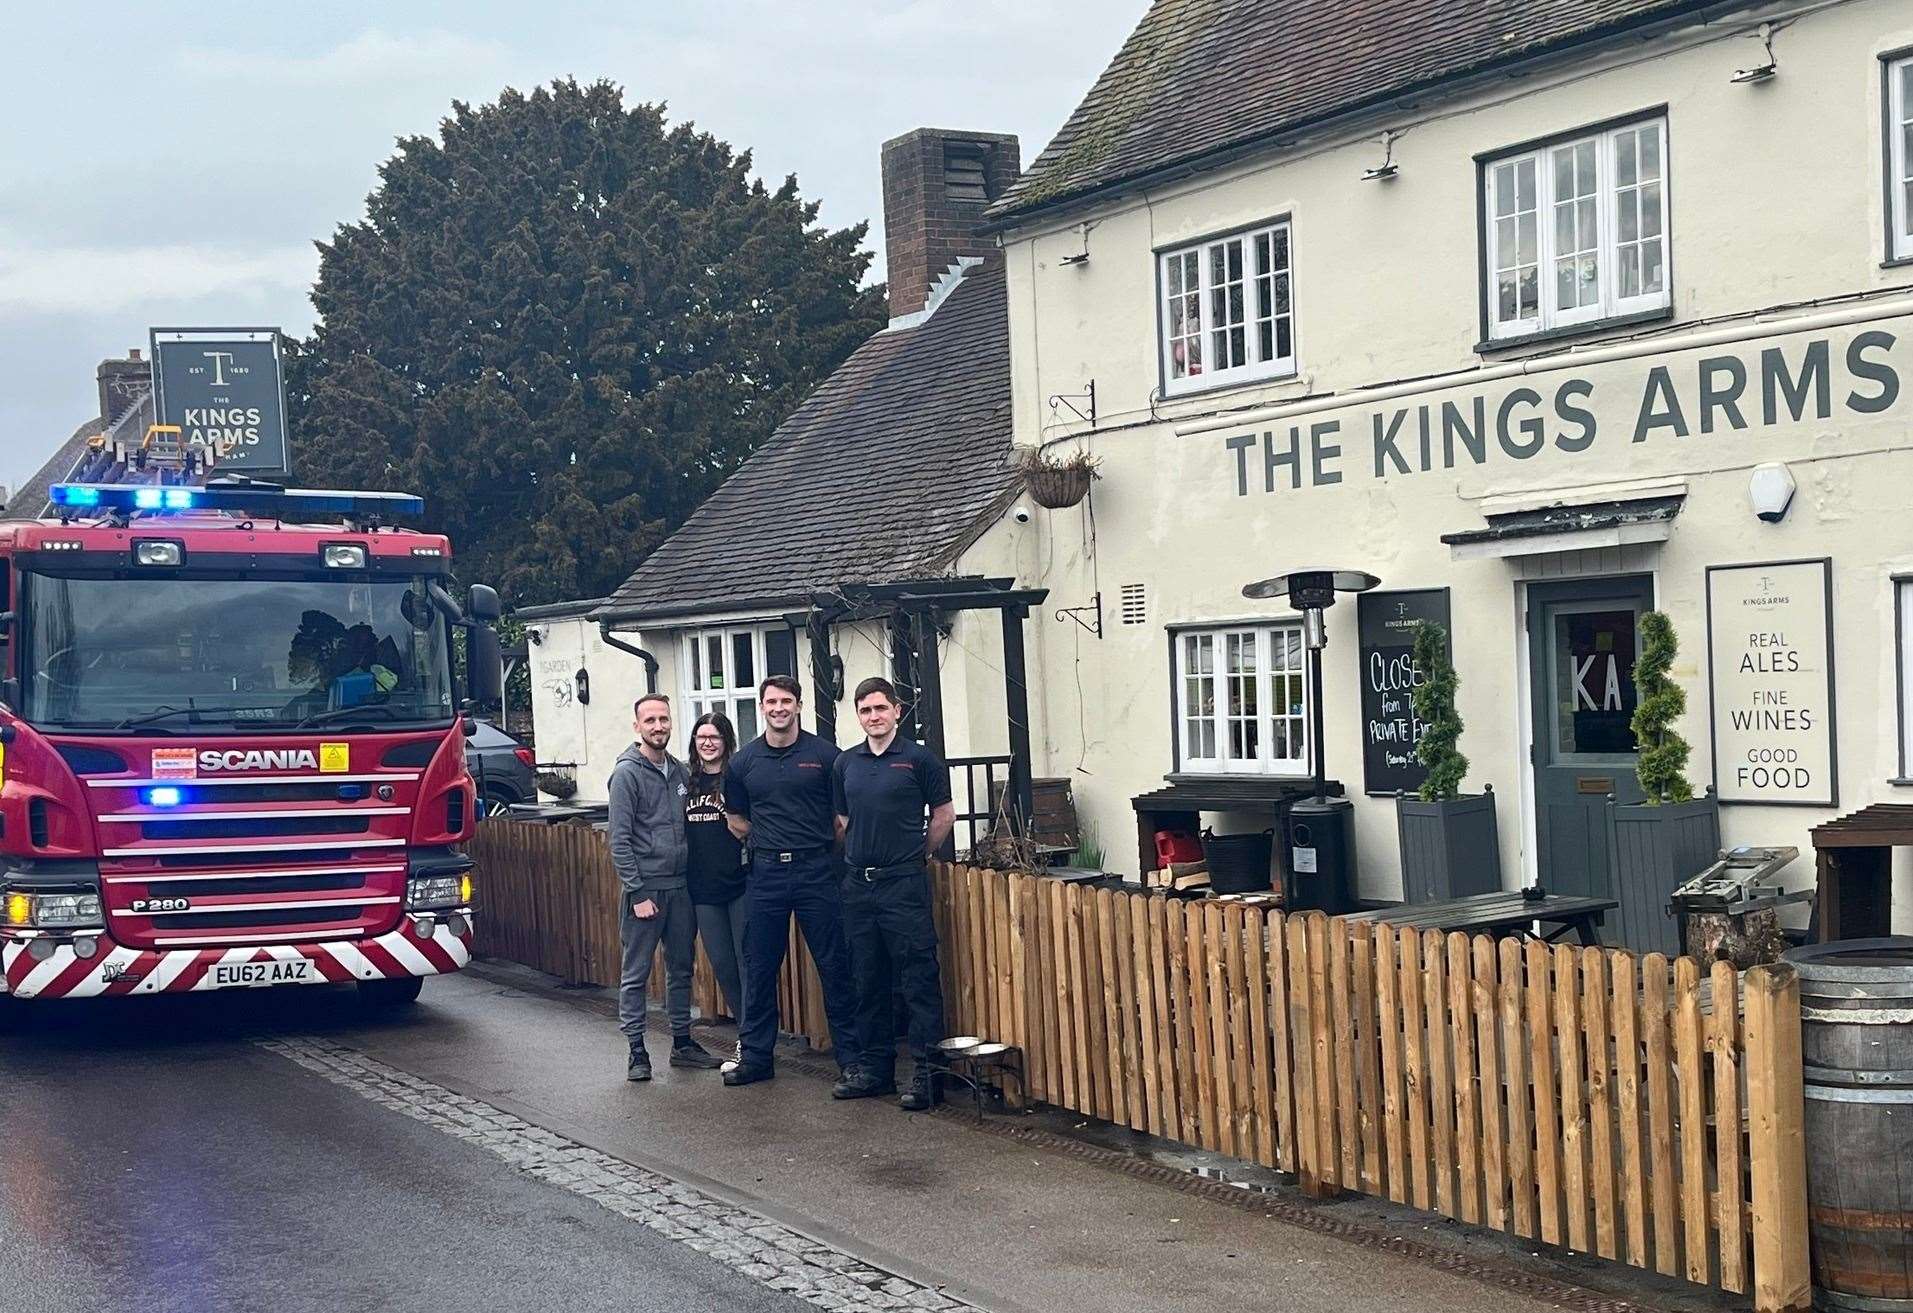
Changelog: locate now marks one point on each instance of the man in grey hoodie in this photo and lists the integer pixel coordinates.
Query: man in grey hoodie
(649, 849)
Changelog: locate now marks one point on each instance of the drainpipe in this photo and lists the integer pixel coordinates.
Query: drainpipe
(650, 662)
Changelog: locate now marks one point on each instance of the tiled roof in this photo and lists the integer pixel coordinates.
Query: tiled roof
(1201, 77)
(29, 502)
(73, 461)
(894, 465)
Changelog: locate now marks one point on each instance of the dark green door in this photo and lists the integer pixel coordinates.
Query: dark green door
(1582, 639)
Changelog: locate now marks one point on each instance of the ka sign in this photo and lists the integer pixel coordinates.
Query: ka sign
(223, 388)
(1770, 662)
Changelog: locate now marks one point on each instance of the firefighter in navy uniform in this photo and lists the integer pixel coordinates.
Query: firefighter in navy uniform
(894, 810)
(777, 794)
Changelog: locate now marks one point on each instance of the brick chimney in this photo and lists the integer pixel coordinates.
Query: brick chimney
(122, 383)
(936, 185)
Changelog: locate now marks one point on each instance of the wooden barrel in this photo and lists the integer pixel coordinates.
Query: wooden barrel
(1856, 1009)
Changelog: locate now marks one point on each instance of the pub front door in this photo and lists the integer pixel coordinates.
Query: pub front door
(1583, 636)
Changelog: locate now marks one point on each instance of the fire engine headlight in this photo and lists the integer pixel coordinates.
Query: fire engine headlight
(156, 553)
(53, 911)
(343, 556)
(436, 892)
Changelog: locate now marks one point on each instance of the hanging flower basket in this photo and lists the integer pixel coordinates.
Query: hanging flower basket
(1058, 483)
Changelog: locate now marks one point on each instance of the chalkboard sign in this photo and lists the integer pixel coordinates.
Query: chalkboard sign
(1389, 728)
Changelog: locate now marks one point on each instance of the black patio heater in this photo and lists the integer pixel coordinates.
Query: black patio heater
(1319, 831)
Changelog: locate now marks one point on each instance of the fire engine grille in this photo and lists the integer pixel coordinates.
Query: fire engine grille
(246, 793)
(315, 857)
(262, 918)
(253, 827)
(265, 884)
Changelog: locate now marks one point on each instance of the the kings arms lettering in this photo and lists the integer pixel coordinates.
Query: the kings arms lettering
(1715, 394)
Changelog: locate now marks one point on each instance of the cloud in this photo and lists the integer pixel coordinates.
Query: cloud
(109, 278)
(373, 56)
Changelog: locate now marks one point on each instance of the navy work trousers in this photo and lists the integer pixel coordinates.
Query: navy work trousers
(807, 886)
(893, 944)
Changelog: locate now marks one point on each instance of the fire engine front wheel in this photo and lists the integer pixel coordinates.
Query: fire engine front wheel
(385, 994)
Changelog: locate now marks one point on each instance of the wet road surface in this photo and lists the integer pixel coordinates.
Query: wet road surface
(153, 1156)
(281, 1149)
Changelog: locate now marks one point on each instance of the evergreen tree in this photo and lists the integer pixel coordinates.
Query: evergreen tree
(564, 322)
(1661, 766)
(1434, 702)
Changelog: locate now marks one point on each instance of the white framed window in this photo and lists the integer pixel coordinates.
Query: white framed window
(1903, 670)
(1241, 700)
(1577, 231)
(1899, 128)
(1228, 310)
(720, 669)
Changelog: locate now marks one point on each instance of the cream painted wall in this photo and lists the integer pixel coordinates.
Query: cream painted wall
(1776, 198)
(588, 735)
(593, 735)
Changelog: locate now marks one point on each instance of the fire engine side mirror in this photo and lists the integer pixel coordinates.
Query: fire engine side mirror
(484, 673)
(482, 604)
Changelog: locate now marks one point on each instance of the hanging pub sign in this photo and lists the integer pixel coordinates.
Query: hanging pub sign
(223, 388)
(1386, 634)
(1770, 687)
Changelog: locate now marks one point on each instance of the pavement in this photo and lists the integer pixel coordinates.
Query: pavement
(280, 1150)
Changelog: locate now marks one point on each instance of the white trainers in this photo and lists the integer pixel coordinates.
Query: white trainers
(737, 1056)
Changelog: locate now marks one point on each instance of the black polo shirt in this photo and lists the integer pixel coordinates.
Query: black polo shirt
(887, 799)
(784, 793)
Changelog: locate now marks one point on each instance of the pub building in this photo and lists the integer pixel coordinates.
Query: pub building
(1543, 324)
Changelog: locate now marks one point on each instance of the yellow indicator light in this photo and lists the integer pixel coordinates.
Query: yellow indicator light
(19, 910)
(464, 888)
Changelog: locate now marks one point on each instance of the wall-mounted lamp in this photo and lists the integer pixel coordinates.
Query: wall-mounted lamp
(1771, 489)
(1387, 169)
(1760, 72)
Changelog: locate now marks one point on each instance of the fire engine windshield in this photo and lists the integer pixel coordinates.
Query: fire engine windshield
(247, 653)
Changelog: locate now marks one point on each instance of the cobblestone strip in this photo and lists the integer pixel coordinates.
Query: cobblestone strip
(744, 1241)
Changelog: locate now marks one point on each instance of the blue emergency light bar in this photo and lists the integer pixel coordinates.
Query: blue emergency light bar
(280, 503)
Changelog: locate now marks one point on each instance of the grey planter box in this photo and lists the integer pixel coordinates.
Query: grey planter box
(1449, 849)
(1654, 850)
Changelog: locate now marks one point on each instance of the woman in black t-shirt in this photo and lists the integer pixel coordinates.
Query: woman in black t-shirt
(717, 867)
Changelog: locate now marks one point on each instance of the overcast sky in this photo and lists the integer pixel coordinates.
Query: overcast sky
(173, 165)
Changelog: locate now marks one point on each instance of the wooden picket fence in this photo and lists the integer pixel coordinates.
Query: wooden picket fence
(549, 899)
(1629, 1107)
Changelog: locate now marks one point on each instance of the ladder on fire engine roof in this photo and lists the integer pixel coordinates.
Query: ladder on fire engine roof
(135, 450)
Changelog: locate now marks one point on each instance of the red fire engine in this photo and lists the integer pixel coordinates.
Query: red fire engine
(231, 747)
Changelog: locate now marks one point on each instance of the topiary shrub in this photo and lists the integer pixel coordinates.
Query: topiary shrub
(1661, 767)
(1434, 703)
